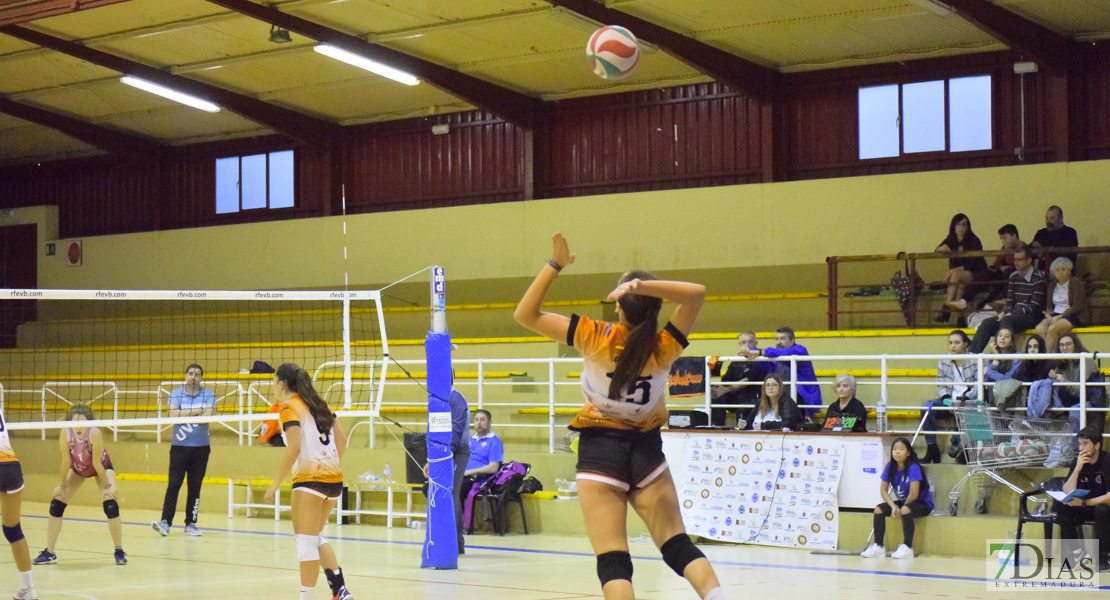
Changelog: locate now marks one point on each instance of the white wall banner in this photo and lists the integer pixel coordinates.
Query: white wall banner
(771, 490)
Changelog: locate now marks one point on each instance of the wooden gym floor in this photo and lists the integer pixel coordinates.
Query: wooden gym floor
(255, 559)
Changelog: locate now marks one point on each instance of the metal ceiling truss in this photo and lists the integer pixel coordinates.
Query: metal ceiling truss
(109, 140)
(298, 126)
(1040, 43)
(514, 107)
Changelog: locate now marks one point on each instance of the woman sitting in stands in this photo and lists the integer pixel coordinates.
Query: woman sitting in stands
(956, 378)
(1068, 301)
(775, 410)
(847, 405)
(962, 271)
(912, 499)
(1034, 370)
(1067, 371)
(1000, 368)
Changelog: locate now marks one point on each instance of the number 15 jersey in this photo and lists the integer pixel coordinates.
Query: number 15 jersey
(643, 405)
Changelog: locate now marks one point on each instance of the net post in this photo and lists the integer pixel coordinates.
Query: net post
(441, 550)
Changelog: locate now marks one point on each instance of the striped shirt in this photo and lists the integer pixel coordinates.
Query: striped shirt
(1025, 296)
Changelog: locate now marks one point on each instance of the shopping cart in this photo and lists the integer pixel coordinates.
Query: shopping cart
(994, 441)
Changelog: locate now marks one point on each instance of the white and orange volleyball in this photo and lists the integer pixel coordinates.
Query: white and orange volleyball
(613, 52)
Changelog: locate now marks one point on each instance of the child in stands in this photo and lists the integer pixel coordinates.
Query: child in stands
(912, 499)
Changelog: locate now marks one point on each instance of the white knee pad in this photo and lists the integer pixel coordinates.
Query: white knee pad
(308, 547)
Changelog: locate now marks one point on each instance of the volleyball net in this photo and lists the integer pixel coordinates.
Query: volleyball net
(122, 353)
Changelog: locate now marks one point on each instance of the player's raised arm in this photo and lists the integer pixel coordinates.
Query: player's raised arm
(529, 311)
(688, 296)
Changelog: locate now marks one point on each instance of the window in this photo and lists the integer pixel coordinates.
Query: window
(255, 181)
(951, 115)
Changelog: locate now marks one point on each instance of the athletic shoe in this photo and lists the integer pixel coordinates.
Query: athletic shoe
(46, 557)
(874, 551)
(27, 593)
(342, 594)
(903, 551)
(191, 529)
(121, 557)
(161, 527)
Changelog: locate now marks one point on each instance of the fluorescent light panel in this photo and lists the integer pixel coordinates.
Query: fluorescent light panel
(365, 63)
(169, 94)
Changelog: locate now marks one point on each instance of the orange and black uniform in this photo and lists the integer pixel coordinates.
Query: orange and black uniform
(11, 472)
(620, 443)
(317, 468)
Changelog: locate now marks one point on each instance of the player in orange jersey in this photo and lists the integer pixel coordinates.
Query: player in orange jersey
(314, 443)
(620, 451)
(11, 487)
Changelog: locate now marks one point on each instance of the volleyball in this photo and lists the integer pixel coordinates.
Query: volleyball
(1041, 446)
(1003, 450)
(1026, 448)
(613, 52)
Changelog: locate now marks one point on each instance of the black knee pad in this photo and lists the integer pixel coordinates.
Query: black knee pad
(13, 534)
(57, 508)
(614, 565)
(111, 509)
(678, 552)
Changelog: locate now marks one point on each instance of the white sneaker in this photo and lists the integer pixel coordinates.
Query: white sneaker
(191, 529)
(26, 594)
(903, 551)
(161, 527)
(874, 551)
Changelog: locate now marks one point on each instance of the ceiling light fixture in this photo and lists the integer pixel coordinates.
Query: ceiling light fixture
(365, 63)
(169, 94)
(279, 35)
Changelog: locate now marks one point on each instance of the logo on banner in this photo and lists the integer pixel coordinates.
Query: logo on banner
(439, 422)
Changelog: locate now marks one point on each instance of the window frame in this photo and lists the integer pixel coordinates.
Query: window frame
(947, 151)
(266, 177)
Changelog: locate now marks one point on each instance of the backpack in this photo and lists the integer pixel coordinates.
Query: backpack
(504, 475)
(530, 486)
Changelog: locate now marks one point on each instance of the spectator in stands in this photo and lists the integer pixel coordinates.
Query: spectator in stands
(1000, 370)
(999, 272)
(1034, 370)
(1067, 371)
(189, 449)
(962, 271)
(808, 393)
(955, 378)
(734, 388)
(1025, 297)
(1091, 472)
(1055, 235)
(912, 499)
(846, 403)
(1005, 342)
(486, 452)
(1066, 304)
(775, 410)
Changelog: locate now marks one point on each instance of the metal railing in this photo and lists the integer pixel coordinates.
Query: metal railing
(910, 263)
(559, 391)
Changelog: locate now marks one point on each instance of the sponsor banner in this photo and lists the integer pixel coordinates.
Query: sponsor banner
(772, 490)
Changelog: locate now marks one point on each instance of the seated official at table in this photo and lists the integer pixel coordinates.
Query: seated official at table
(845, 407)
(775, 410)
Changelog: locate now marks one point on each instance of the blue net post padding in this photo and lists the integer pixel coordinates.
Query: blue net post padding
(441, 548)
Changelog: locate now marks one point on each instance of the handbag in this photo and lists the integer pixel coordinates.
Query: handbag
(903, 285)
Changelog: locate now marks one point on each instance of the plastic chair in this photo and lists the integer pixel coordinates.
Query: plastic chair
(495, 503)
(1047, 517)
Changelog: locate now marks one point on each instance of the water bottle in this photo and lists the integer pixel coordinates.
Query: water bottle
(387, 473)
(880, 415)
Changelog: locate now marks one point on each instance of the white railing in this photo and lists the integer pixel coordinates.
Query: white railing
(561, 395)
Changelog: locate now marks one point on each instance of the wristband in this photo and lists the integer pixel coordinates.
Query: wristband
(554, 265)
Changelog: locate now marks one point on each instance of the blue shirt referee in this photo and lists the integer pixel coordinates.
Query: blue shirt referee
(189, 449)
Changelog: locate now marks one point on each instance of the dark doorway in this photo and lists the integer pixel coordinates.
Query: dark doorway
(18, 269)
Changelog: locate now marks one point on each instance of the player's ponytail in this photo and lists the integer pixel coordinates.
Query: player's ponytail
(642, 314)
(300, 383)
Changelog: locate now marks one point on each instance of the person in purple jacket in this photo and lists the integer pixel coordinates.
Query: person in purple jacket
(809, 394)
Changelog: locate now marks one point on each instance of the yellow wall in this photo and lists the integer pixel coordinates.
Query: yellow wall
(794, 223)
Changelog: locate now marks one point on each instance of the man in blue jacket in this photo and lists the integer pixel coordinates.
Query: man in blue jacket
(809, 394)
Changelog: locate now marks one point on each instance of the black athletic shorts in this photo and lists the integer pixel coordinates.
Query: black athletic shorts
(624, 459)
(330, 491)
(11, 477)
